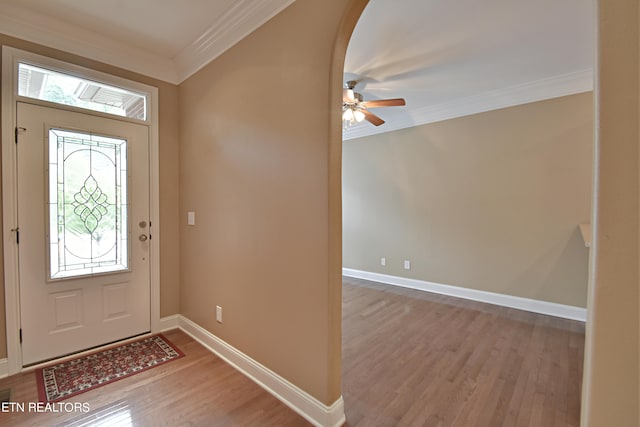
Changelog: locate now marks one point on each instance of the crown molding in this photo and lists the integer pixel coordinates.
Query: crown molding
(240, 20)
(539, 90)
(47, 31)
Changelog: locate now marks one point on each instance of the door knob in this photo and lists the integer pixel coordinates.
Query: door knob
(142, 237)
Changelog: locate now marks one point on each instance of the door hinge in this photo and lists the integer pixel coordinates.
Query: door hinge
(18, 130)
(17, 231)
(20, 335)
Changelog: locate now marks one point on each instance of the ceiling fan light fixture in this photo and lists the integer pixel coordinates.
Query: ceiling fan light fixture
(355, 109)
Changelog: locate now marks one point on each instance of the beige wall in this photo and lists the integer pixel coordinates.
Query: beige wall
(254, 159)
(168, 145)
(611, 393)
(490, 201)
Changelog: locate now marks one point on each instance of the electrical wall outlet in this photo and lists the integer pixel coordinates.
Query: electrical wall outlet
(383, 261)
(407, 264)
(218, 314)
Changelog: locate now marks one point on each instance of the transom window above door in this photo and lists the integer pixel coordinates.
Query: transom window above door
(53, 86)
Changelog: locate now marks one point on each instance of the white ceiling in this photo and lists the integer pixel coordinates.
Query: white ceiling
(165, 39)
(450, 58)
(447, 58)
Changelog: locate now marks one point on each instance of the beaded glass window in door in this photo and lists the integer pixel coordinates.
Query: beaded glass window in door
(87, 204)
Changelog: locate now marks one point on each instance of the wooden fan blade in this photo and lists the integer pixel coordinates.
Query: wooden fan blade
(396, 102)
(372, 118)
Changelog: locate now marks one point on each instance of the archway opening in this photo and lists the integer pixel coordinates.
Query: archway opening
(392, 188)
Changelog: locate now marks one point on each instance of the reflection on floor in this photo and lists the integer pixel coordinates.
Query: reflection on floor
(199, 389)
(410, 358)
(414, 358)
(117, 414)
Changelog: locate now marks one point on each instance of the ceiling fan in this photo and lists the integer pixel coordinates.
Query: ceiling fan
(355, 109)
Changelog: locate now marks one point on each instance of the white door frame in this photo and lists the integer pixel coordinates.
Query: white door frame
(10, 59)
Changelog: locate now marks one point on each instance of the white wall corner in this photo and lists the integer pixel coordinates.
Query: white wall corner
(526, 304)
(310, 408)
(240, 20)
(4, 368)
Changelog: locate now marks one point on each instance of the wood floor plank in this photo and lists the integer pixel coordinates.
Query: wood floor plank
(410, 358)
(199, 389)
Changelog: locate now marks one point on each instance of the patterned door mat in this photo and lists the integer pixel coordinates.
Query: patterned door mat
(63, 380)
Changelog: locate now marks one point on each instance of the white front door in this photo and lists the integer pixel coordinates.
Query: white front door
(83, 231)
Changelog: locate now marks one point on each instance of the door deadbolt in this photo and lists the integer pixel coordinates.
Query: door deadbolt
(142, 224)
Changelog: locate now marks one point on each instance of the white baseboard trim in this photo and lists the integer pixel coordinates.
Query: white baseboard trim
(169, 322)
(4, 368)
(314, 411)
(527, 304)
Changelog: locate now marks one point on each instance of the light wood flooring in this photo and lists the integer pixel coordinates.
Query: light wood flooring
(199, 389)
(410, 358)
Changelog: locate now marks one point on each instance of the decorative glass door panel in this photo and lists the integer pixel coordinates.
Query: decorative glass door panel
(88, 224)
